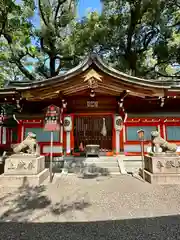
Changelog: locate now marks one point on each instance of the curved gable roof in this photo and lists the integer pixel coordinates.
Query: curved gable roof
(95, 60)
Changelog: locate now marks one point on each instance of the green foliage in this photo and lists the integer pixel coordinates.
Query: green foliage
(34, 53)
(139, 37)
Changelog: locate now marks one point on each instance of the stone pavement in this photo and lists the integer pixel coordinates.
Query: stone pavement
(117, 207)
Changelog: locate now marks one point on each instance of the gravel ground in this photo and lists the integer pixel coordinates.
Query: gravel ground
(117, 207)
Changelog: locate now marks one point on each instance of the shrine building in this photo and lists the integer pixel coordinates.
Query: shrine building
(99, 105)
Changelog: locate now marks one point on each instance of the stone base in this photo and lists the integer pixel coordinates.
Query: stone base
(158, 178)
(25, 164)
(162, 164)
(22, 180)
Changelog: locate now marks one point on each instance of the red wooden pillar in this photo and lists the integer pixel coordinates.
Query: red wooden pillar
(20, 131)
(72, 133)
(122, 139)
(113, 136)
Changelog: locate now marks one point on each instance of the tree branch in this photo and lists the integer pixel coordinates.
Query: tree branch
(42, 13)
(4, 19)
(175, 24)
(161, 74)
(60, 3)
(24, 70)
(167, 76)
(3, 25)
(19, 64)
(135, 15)
(41, 69)
(176, 3)
(147, 39)
(43, 47)
(28, 53)
(60, 58)
(8, 38)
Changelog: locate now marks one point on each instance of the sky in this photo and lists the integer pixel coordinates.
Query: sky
(88, 4)
(84, 7)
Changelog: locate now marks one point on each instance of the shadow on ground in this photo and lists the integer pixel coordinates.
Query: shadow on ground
(29, 203)
(160, 228)
(86, 170)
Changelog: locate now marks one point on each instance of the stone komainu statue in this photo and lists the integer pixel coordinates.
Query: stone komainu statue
(161, 145)
(29, 145)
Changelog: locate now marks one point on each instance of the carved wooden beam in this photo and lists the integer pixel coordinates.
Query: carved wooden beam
(110, 87)
(72, 90)
(122, 97)
(60, 95)
(124, 94)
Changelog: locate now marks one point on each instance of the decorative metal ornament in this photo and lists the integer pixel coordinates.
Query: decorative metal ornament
(118, 123)
(92, 93)
(92, 78)
(67, 123)
(64, 103)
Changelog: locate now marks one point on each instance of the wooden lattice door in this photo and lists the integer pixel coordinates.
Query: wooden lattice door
(87, 130)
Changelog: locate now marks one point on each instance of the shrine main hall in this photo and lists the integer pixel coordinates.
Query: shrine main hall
(98, 105)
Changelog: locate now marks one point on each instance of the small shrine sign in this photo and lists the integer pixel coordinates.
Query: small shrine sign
(92, 104)
(52, 119)
(52, 124)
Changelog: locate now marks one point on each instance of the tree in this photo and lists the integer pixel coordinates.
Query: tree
(36, 52)
(138, 37)
(56, 20)
(15, 38)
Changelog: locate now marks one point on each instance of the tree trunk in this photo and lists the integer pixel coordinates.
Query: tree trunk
(52, 66)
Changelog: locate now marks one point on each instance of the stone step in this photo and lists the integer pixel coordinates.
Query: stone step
(103, 163)
(101, 159)
(126, 163)
(110, 165)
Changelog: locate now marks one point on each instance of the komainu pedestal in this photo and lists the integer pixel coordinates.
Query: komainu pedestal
(24, 168)
(162, 168)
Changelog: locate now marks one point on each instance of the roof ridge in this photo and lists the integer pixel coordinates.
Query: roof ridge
(93, 58)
